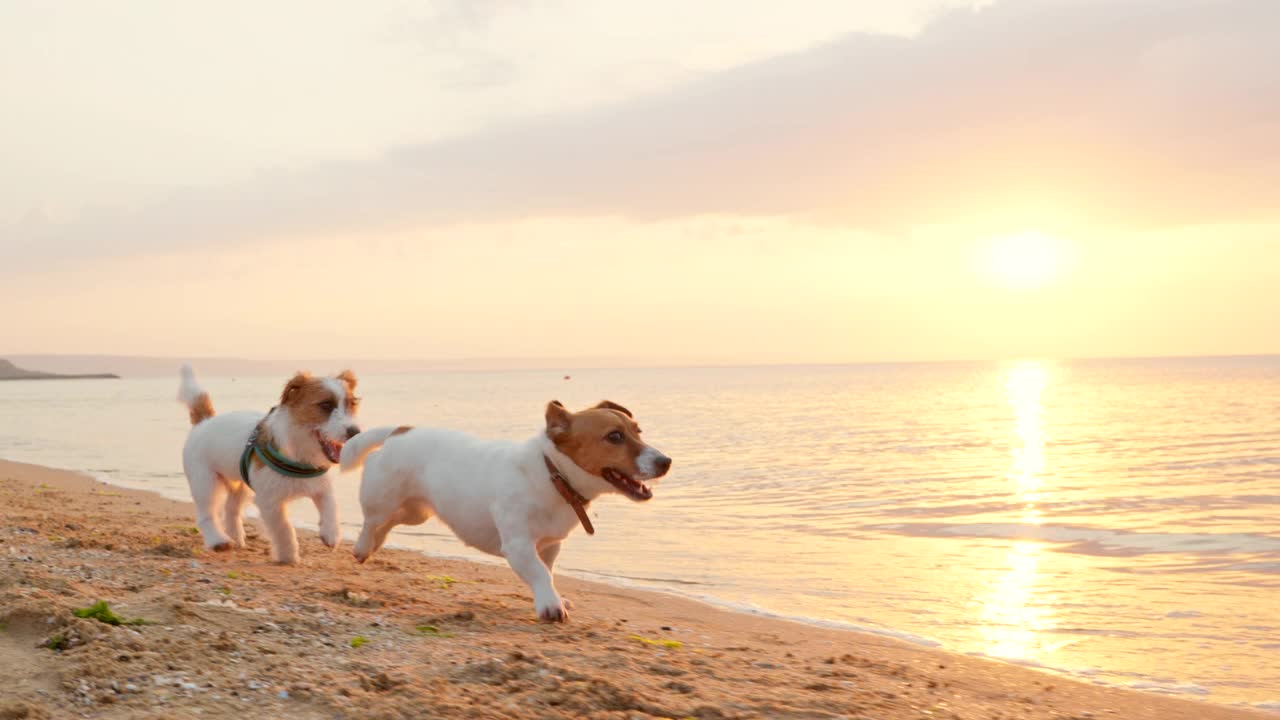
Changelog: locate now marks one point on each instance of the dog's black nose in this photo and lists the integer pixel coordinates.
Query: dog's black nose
(663, 464)
(352, 432)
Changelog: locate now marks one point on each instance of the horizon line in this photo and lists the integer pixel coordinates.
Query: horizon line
(605, 363)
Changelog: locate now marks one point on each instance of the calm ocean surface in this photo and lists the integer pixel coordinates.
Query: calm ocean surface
(1115, 520)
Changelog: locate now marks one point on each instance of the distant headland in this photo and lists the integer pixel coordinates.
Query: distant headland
(9, 371)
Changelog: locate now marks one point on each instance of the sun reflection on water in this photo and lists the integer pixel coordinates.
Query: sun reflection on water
(1013, 615)
(1024, 383)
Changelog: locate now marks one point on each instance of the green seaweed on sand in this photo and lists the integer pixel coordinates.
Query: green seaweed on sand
(673, 644)
(446, 581)
(358, 640)
(101, 612)
(432, 631)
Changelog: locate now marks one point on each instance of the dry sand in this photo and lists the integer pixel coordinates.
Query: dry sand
(407, 636)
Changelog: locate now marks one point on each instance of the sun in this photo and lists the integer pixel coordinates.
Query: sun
(1026, 260)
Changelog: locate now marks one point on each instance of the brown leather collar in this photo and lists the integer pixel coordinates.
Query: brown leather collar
(571, 496)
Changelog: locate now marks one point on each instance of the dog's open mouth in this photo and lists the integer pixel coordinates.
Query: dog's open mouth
(627, 485)
(332, 449)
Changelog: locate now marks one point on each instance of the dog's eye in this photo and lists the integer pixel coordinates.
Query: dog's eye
(614, 437)
(327, 405)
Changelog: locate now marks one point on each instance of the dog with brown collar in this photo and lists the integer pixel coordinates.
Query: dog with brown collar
(517, 500)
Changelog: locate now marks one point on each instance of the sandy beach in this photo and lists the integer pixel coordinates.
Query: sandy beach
(407, 636)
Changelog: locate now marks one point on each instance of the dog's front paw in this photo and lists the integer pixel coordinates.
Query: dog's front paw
(554, 610)
(287, 559)
(330, 539)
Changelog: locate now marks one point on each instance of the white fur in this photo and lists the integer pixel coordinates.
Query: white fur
(211, 460)
(189, 389)
(647, 462)
(339, 420)
(496, 496)
(359, 447)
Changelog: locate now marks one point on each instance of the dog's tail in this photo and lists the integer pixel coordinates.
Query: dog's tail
(194, 397)
(358, 448)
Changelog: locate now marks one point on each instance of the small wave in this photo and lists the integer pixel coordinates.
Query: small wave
(753, 609)
(637, 578)
(1092, 675)
(1095, 541)
(1218, 464)
(1169, 688)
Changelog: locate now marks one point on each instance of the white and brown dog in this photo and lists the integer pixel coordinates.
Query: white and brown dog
(514, 500)
(273, 458)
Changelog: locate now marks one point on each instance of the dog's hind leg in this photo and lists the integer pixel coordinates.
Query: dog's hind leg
(374, 533)
(383, 511)
(208, 492)
(233, 513)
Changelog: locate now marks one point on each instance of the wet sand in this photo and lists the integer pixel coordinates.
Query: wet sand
(230, 635)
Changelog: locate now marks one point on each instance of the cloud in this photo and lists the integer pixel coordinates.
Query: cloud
(469, 16)
(1147, 111)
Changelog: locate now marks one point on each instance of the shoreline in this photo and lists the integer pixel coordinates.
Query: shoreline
(411, 634)
(662, 587)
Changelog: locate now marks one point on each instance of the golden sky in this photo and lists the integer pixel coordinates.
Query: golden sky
(862, 181)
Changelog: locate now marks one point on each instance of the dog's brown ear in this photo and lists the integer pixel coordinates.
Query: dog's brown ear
(349, 378)
(558, 419)
(294, 386)
(611, 405)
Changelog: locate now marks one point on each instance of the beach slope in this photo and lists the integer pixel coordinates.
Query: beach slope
(407, 636)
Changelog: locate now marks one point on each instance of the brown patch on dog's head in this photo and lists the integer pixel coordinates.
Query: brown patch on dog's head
(201, 408)
(309, 399)
(610, 405)
(349, 379)
(604, 440)
(294, 386)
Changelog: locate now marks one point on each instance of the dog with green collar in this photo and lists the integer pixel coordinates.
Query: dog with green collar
(272, 459)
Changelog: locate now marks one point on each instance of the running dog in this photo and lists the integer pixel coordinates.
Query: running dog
(515, 500)
(273, 458)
